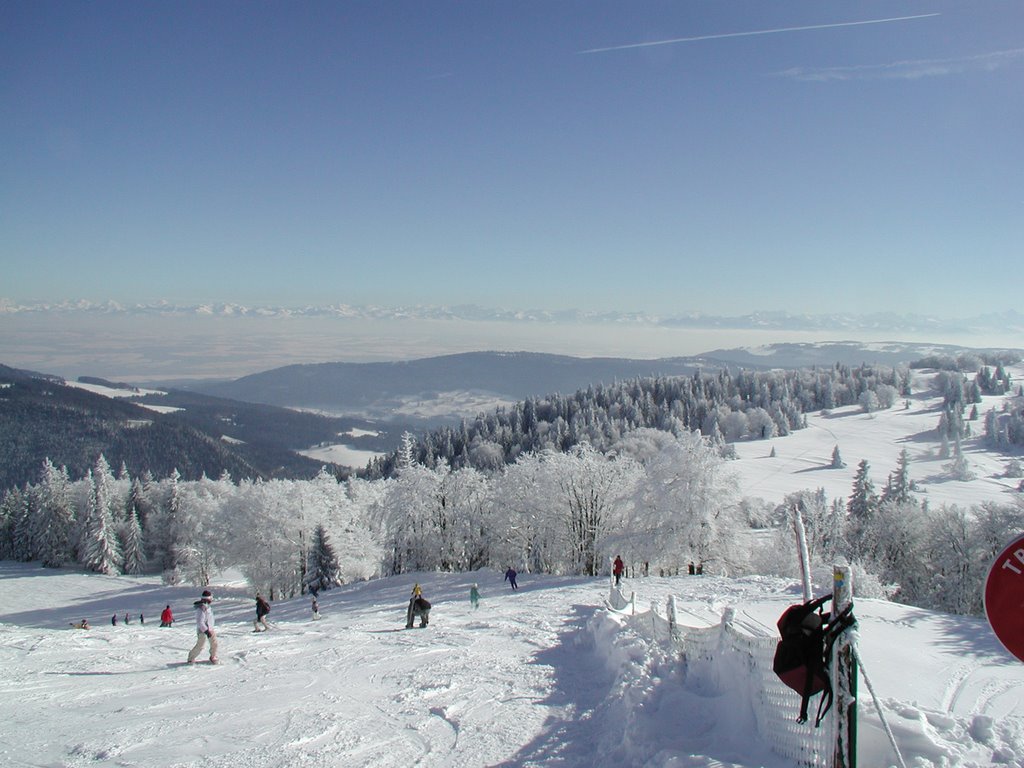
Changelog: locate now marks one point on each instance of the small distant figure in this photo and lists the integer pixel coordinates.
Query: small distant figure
(474, 596)
(418, 606)
(166, 617)
(510, 577)
(127, 619)
(691, 569)
(316, 609)
(700, 569)
(113, 620)
(83, 624)
(617, 569)
(204, 628)
(142, 619)
(262, 609)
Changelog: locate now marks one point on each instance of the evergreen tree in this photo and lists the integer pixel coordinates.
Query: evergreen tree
(323, 571)
(837, 460)
(134, 556)
(57, 512)
(99, 550)
(15, 543)
(860, 510)
(897, 488)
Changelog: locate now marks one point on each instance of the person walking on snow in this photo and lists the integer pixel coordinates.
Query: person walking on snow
(474, 596)
(316, 609)
(418, 606)
(617, 569)
(262, 609)
(166, 617)
(204, 629)
(510, 577)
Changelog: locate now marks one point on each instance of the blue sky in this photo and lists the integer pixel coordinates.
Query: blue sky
(790, 157)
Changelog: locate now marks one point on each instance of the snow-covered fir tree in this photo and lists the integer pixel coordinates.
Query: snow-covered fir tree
(131, 544)
(322, 571)
(99, 550)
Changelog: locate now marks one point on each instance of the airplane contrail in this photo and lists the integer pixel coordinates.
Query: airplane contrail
(757, 32)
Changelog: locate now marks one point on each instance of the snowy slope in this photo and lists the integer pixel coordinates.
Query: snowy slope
(543, 676)
(802, 459)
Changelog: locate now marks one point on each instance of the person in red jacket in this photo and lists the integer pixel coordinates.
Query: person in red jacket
(166, 618)
(617, 569)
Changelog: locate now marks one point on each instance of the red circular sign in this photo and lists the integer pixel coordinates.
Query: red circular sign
(1004, 597)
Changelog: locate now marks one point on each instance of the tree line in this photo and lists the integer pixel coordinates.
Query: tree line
(724, 406)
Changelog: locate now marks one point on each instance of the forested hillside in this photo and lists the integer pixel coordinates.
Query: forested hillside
(42, 418)
(723, 406)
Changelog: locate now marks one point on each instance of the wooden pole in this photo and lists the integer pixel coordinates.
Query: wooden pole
(844, 675)
(802, 551)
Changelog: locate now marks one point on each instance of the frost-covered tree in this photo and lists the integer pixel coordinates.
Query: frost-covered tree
(958, 571)
(57, 516)
(99, 550)
(131, 544)
(684, 509)
(860, 509)
(824, 526)
(527, 533)
(837, 460)
(868, 401)
(959, 468)
(897, 487)
(16, 541)
(590, 490)
(322, 570)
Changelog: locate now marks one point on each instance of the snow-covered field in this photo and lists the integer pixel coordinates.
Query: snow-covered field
(802, 459)
(543, 676)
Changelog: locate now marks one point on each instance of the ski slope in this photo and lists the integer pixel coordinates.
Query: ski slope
(546, 676)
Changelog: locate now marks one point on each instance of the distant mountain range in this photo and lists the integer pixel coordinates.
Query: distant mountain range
(846, 323)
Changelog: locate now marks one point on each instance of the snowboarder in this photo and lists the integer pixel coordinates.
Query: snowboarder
(113, 620)
(418, 606)
(316, 609)
(262, 609)
(510, 577)
(166, 617)
(617, 569)
(474, 596)
(204, 629)
(83, 624)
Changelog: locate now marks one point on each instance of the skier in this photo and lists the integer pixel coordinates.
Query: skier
(262, 609)
(418, 606)
(474, 596)
(166, 617)
(617, 569)
(204, 629)
(127, 620)
(316, 609)
(510, 577)
(113, 620)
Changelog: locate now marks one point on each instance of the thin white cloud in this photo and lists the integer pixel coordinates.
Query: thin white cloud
(756, 32)
(909, 70)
